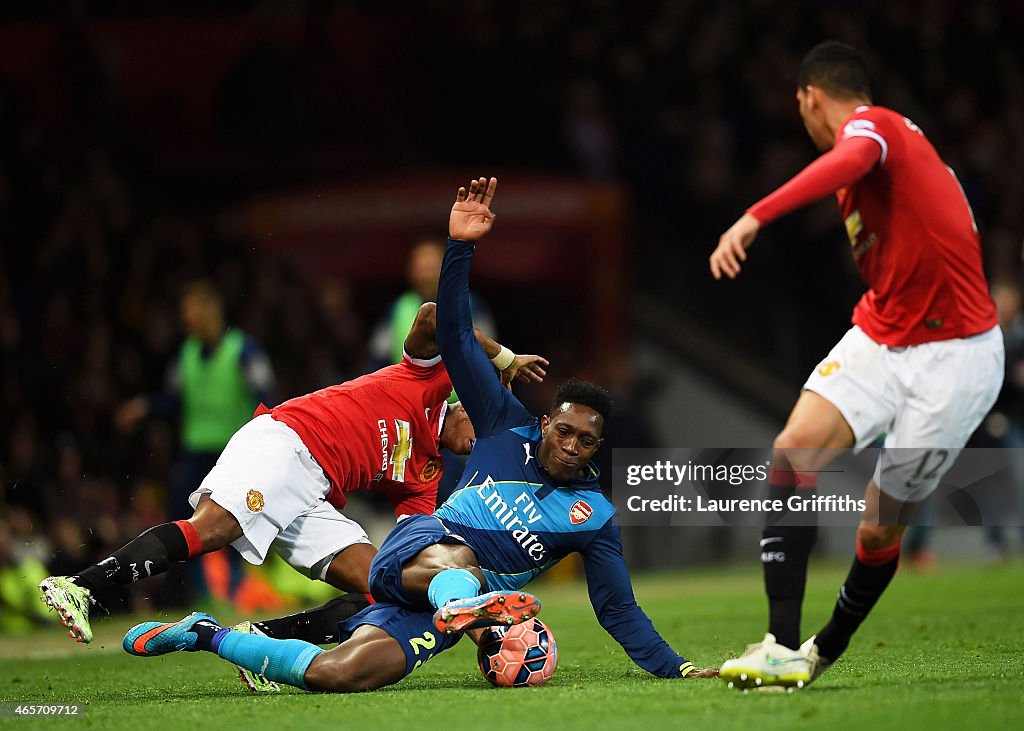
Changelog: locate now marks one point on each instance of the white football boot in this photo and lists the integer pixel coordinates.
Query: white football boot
(768, 664)
(818, 664)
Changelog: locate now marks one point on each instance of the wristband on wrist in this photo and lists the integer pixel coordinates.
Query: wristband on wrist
(503, 359)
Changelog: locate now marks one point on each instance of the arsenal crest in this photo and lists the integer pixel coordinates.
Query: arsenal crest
(580, 512)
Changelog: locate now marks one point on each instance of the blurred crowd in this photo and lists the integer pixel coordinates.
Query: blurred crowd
(687, 105)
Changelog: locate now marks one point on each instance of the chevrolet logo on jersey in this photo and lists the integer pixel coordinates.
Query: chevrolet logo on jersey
(854, 226)
(516, 517)
(402, 451)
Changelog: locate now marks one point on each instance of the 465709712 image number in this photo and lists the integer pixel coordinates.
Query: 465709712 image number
(16, 710)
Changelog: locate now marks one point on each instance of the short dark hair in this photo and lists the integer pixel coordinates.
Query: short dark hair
(837, 68)
(583, 393)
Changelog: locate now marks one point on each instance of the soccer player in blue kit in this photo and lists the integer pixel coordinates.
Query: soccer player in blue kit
(528, 498)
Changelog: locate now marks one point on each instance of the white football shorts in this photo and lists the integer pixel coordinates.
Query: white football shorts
(926, 399)
(269, 481)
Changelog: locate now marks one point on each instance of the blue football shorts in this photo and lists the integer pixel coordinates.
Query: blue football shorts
(408, 538)
(413, 630)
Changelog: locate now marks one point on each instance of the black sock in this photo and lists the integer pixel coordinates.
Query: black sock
(864, 585)
(205, 631)
(784, 554)
(149, 554)
(319, 625)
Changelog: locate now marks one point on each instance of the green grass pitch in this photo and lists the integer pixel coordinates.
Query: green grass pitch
(942, 650)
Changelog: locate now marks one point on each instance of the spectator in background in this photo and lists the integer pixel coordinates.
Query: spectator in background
(423, 272)
(218, 379)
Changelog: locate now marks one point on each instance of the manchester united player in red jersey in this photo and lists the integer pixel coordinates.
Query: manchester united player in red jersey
(282, 477)
(922, 364)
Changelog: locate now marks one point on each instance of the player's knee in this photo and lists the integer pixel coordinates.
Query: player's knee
(795, 438)
(428, 563)
(349, 570)
(878, 537)
(215, 525)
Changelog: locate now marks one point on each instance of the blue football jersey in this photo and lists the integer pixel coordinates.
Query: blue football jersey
(506, 506)
(517, 521)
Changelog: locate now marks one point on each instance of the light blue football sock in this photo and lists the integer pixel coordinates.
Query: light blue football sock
(283, 661)
(452, 584)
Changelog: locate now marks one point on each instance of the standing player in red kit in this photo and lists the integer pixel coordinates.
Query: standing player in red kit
(282, 478)
(922, 364)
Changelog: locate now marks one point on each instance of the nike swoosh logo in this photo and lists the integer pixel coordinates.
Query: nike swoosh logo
(781, 660)
(140, 642)
(765, 541)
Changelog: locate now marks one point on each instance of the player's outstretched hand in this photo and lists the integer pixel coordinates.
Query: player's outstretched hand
(471, 216)
(732, 247)
(703, 673)
(525, 369)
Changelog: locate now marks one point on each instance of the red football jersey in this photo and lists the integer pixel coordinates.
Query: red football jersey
(378, 432)
(913, 237)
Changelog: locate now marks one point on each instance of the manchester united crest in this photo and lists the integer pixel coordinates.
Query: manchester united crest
(827, 369)
(254, 501)
(431, 469)
(580, 512)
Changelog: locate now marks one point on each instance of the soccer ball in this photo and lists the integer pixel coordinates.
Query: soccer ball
(520, 655)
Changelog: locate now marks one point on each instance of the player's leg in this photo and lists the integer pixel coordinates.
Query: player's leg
(814, 431)
(229, 509)
(318, 625)
(325, 545)
(450, 577)
(875, 563)
(349, 570)
(421, 571)
(952, 386)
(152, 553)
(381, 645)
(846, 401)
(284, 661)
(368, 660)
(421, 564)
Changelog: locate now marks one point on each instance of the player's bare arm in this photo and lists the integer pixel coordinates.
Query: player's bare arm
(732, 247)
(422, 343)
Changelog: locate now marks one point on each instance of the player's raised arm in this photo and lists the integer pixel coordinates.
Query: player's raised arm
(490, 406)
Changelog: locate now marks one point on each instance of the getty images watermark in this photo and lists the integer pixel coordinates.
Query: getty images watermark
(713, 487)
